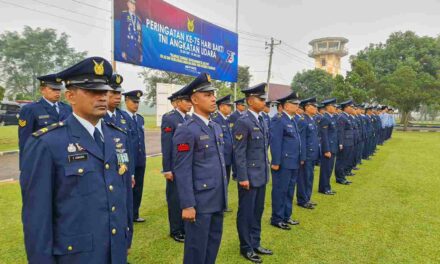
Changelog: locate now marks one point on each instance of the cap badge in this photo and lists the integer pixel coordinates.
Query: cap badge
(99, 67)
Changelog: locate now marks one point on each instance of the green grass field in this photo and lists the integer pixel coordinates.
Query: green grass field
(390, 214)
(8, 138)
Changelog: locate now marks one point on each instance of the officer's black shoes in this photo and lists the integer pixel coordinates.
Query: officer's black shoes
(328, 193)
(306, 206)
(344, 182)
(178, 237)
(350, 174)
(252, 256)
(228, 210)
(281, 225)
(313, 203)
(292, 222)
(355, 168)
(263, 251)
(139, 220)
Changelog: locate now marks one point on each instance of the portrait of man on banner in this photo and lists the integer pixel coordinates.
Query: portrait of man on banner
(131, 34)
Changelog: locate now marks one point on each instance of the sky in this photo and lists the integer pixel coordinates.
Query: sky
(294, 22)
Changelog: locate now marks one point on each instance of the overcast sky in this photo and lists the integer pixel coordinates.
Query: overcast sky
(294, 22)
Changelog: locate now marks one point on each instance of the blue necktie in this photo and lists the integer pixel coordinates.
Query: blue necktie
(98, 139)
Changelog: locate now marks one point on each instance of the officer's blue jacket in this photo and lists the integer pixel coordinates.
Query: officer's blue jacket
(119, 120)
(234, 117)
(329, 134)
(75, 196)
(308, 130)
(250, 150)
(170, 122)
(37, 115)
(227, 136)
(136, 135)
(285, 142)
(199, 166)
(345, 130)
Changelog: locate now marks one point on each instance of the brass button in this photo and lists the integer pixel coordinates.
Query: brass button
(113, 208)
(204, 185)
(110, 188)
(80, 170)
(128, 228)
(207, 146)
(107, 166)
(114, 231)
(70, 248)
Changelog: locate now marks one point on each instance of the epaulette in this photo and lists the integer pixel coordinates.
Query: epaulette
(116, 127)
(214, 115)
(170, 112)
(44, 130)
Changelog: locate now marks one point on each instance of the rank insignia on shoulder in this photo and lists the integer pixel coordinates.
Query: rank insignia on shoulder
(231, 125)
(47, 129)
(238, 136)
(183, 147)
(167, 130)
(123, 121)
(22, 123)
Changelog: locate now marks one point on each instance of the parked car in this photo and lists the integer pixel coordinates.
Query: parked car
(9, 113)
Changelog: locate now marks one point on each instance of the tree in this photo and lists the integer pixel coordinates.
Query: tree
(2, 93)
(406, 90)
(363, 81)
(152, 77)
(315, 82)
(31, 53)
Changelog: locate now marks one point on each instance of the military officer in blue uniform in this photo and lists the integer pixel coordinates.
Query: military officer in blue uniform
(114, 113)
(329, 145)
(131, 34)
(170, 122)
(224, 106)
(74, 179)
(136, 135)
(48, 110)
(240, 108)
(285, 147)
(200, 174)
(346, 143)
(250, 155)
(310, 153)
(265, 113)
(369, 133)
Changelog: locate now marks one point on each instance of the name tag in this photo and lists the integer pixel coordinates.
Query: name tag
(77, 157)
(43, 116)
(204, 137)
(256, 129)
(289, 126)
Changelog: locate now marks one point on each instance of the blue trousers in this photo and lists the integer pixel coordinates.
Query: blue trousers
(250, 211)
(174, 211)
(325, 173)
(283, 188)
(137, 190)
(343, 163)
(305, 182)
(203, 237)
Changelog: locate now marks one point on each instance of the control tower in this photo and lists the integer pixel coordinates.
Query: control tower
(328, 52)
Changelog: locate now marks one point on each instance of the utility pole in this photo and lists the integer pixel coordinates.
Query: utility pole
(270, 45)
(236, 31)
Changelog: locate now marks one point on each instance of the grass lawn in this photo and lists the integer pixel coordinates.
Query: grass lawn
(390, 214)
(8, 138)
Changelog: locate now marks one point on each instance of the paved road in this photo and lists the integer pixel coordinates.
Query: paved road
(9, 163)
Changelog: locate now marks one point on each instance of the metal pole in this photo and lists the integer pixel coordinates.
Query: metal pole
(112, 17)
(236, 31)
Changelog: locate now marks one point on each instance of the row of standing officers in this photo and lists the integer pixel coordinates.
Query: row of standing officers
(82, 166)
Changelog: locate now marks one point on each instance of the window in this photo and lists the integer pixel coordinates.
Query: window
(323, 62)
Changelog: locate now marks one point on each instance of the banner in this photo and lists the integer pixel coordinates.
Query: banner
(155, 34)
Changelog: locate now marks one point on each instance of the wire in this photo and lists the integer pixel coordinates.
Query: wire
(92, 6)
(50, 14)
(61, 8)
